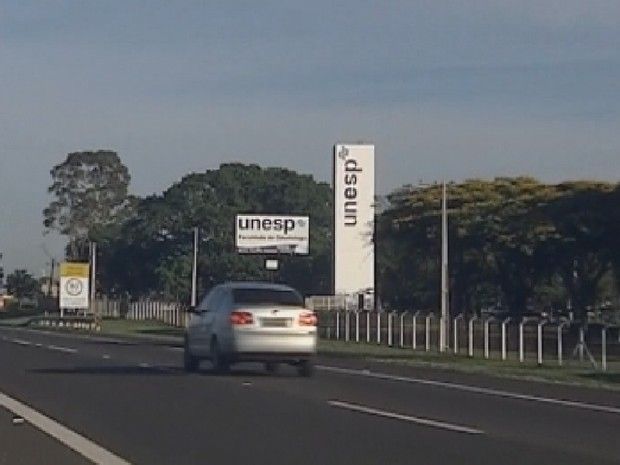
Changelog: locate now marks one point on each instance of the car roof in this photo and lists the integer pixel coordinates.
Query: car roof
(257, 285)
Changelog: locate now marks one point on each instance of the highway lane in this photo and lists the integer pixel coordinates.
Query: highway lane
(17, 438)
(132, 399)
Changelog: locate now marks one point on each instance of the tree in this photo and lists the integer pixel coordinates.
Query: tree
(90, 192)
(151, 253)
(22, 284)
(513, 241)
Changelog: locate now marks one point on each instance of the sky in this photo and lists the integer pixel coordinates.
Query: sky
(444, 89)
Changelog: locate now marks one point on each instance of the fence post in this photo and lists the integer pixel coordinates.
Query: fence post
(604, 348)
(402, 329)
(471, 335)
(347, 325)
(389, 328)
(337, 325)
(357, 326)
(559, 337)
(540, 341)
(486, 337)
(427, 338)
(414, 323)
(368, 326)
(521, 348)
(456, 333)
(379, 328)
(504, 323)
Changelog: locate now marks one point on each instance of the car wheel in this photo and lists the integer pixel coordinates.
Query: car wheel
(190, 362)
(271, 367)
(219, 361)
(305, 368)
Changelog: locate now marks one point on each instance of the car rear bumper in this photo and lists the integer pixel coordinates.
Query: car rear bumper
(262, 345)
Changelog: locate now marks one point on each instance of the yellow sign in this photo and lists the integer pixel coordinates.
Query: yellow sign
(74, 270)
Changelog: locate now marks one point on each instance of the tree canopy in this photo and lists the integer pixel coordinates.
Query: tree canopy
(151, 253)
(22, 284)
(89, 191)
(515, 243)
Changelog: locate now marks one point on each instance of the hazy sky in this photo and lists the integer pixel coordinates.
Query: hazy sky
(448, 89)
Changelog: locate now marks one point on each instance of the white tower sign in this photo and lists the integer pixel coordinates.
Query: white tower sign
(354, 216)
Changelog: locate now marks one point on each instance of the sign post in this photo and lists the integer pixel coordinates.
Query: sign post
(354, 220)
(74, 286)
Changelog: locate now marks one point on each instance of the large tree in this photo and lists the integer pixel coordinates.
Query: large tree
(513, 241)
(89, 191)
(151, 255)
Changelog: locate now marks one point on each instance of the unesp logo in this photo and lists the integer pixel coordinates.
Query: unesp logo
(343, 153)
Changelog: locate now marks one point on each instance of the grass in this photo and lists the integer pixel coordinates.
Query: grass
(140, 328)
(16, 321)
(570, 373)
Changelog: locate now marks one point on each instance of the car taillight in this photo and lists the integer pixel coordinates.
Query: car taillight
(308, 319)
(241, 318)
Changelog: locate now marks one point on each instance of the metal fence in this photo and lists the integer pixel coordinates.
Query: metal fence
(171, 313)
(523, 341)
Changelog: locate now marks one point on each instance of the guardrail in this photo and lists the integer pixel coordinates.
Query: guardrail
(529, 340)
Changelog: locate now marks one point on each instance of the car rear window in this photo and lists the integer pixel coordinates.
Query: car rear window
(267, 297)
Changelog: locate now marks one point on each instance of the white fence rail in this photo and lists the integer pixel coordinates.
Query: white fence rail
(171, 313)
(524, 341)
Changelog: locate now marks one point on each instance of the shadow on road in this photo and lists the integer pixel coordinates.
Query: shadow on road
(129, 370)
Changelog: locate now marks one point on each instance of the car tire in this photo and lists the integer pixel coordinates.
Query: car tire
(271, 367)
(218, 359)
(190, 361)
(305, 368)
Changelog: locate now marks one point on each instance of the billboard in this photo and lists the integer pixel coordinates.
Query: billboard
(354, 212)
(74, 285)
(272, 234)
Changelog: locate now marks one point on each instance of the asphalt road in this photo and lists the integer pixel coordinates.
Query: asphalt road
(132, 400)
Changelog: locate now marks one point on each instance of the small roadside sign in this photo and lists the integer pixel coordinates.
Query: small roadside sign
(74, 285)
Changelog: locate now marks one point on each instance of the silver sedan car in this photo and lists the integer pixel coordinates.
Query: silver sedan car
(251, 322)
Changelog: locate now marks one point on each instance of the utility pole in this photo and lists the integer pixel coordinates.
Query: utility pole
(51, 281)
(93, 283)
(445, 291)
(195, 269)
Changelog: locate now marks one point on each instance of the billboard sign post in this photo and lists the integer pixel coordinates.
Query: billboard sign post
(74, 286)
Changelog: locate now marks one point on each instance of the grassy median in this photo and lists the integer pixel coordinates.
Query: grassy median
(571, 373)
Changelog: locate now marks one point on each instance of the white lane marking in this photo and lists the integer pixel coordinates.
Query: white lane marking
(409, 418)
(144, 365)
(21, 342)
(38, 344)
(69, 438)
(474, 389)
(67, 350)
(105, 356)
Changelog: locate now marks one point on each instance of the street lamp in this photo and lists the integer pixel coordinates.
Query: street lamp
(195, 269)
(444, 321)
(445, 288)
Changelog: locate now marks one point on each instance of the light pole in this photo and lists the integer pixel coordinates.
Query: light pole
(195, 269)
(445, 291)
(93, 283)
